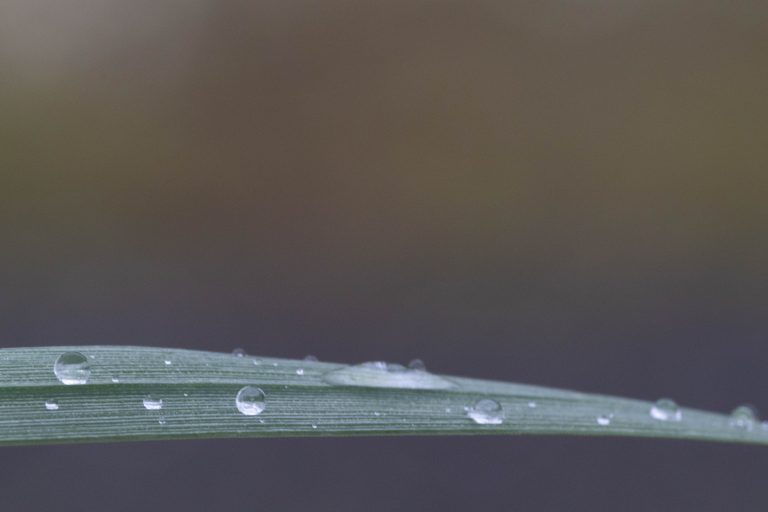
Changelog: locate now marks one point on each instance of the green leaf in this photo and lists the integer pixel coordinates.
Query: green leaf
(302, 398)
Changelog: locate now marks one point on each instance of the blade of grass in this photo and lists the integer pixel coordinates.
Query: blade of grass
(303, 398)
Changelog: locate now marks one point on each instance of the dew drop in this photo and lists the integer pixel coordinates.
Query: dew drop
(743, 417)
(52, 405)
(72, 368)
(314, 426)
(486, 412)
(532, 405)
(115, 380)
(666, 410)
(238, 352)
(604, 419)
(311, 358)
(152, 404)
(250, 401)
(168, 362)
(161, 420)
(418, 365)
(300, 371)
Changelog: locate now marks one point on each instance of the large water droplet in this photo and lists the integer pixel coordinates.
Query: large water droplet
(744, 417)
(153, 404)
(250, 401)
(666, 410)
(604, 419)
(378, 374)
(52, 405)
(486, 412)
(72, 368)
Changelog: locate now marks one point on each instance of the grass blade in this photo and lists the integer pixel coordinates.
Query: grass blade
(303, 398)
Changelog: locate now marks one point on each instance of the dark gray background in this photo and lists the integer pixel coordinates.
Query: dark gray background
(570, 194)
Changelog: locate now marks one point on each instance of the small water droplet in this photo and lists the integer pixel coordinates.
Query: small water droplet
(532, 405)
(115, 380)
(152, 404)
(300, 371)
(447, 409)
(666, 410)
(250, 401)
(743, 417)
(376, 413)
(486, 412)
(52, 405)
(72, 368)
(256, 362)
(238, 352)
(168, 362)
(314, 426)
(275, 364)
(161, 420)
(310, 357)
(604, 419)
(418, 365)
(186, 394)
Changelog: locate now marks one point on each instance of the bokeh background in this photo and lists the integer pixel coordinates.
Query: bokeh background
(570, 194)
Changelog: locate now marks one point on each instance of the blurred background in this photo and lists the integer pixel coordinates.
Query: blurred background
(569, 194)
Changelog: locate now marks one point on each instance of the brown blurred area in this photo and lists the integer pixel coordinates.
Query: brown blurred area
(561, 193)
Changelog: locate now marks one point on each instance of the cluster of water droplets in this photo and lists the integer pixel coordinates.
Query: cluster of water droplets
(74, 368)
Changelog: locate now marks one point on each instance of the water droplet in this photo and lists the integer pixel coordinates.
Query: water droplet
(275, 364)
(186, 394)
(604, 419)
(115, 380)
(256, 362)
(376, 413)
(486, 412)
(250, 401)
(168, 362)
(314, 426)
(72, 368)
(300, 371)
(161, 420)
(417, 364)
(238, 352)
(532, 405)
(744, 417)
(447, 409)
(52, 405)
(379, 374)
(310, 357)
(666, 410)
(153, 404)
